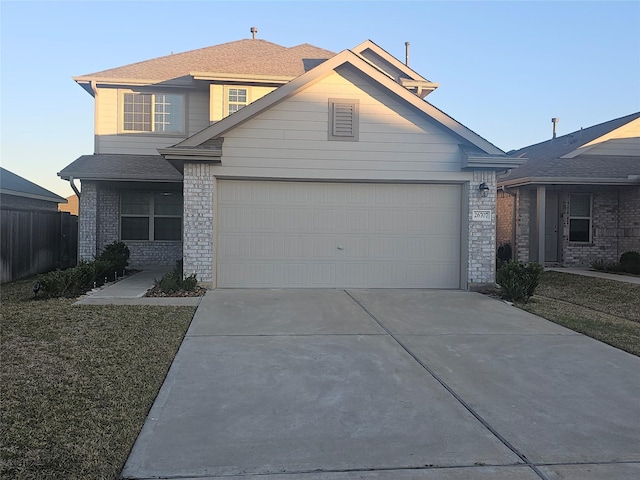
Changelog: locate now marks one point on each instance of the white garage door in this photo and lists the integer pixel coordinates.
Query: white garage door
(338, 235)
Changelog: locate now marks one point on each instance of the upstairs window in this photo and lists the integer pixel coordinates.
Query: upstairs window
(151, 216)
(236, 99)
(153, 113)
(343, 120)
(580, 218)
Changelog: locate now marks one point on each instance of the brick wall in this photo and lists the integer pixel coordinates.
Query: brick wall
(616, 227)
(87, 230)
(523, 217)
(504, 218)
(482, 235)
(629, 221)
(198, 221)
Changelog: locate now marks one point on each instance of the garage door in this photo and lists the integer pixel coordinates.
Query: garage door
(338, 235)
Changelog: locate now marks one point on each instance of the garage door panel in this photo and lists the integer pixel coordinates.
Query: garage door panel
(338, 235)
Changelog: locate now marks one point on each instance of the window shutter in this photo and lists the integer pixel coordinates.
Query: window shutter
(343, 114)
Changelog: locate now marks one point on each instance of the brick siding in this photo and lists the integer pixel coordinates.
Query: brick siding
(482, 235)
(198, 221)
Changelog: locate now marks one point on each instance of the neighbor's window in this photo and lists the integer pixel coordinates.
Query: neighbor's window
(237, 98)
(153, 112)
(343, 120)
(580, 218)
(151, 216)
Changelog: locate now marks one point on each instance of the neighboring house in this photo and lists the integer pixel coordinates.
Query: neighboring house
(267, 166)
(19, 193)
(577, 198)
(34, 236)
(72, 205)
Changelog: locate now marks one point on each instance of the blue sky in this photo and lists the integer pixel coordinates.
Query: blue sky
(505, 68)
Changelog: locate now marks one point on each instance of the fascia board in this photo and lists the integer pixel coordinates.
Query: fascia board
(492, 162)
(582, 149)
(134, 82)
(191, 153)
(321, 71)
(33, 196)
(520, 182)
(225, 77)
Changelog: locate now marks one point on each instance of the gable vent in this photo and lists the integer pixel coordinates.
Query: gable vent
(343, 120)
(343, 117)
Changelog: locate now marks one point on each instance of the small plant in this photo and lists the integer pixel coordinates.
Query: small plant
(630, 262)
(174, 281)
(117, 255)
(518, 281)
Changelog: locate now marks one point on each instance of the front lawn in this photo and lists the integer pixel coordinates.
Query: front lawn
(603, 309)
(78, 381)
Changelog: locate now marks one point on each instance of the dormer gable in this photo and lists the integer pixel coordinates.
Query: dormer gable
(401, 73)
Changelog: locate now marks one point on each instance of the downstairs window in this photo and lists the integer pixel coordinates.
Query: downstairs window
(154, 216)
(580, 218)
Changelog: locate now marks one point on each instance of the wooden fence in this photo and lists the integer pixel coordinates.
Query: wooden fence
(36, 242)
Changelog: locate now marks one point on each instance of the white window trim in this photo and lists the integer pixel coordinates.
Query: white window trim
(121, 113)
(151, 216)
(354, 105)
(577, 217)
(227, 88)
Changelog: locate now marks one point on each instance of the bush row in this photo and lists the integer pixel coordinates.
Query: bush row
(629, 263)
(108, 265)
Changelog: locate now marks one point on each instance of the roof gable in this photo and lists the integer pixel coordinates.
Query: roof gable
(345, 57)
(12, 184)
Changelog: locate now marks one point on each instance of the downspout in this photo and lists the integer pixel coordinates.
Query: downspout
(94, 88)
(75, 189)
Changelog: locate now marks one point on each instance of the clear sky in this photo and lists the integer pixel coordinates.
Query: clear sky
(504, 68)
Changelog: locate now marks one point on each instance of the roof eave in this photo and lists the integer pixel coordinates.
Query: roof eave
(33, 196)
(491, 162)
(242, 78)
(524, 181)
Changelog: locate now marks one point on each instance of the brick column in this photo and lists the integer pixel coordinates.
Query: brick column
(198, 222)
(482, 234)
(87, 221)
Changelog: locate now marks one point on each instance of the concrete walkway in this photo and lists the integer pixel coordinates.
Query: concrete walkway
(597, 274)
(388, 384)
(131, 289)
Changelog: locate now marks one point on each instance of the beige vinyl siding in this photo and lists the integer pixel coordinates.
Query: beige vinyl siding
(618, 146)
(290, 139)
(111, 139)
(218, 98)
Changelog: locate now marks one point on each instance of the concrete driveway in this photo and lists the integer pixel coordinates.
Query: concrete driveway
(388, 384)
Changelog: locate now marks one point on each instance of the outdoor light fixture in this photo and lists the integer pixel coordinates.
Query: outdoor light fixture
(484, 189)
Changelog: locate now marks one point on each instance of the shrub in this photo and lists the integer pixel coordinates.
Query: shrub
(630, 262)
(117, 255)
(74, 281)
(518, 281)
(605, 266)
(175, 281)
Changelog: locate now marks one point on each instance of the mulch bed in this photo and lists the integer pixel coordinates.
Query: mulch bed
(158, 292)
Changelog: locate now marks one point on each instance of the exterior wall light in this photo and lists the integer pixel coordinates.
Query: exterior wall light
(484, 189)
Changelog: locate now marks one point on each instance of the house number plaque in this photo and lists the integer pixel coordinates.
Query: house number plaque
(481, 215)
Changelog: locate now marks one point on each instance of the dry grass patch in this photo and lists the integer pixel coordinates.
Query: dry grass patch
(78, 382)
(603, 309)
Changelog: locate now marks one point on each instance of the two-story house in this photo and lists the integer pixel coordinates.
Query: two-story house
(267, 166)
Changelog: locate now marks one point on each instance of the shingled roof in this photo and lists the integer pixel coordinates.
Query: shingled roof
(250, 57)
(546, 163)
(12, 184)
(141, 168)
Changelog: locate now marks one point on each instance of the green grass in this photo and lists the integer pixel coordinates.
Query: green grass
(78, 381)
(603, 309)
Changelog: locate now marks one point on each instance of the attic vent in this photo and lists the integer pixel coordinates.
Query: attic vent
(343, 120)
